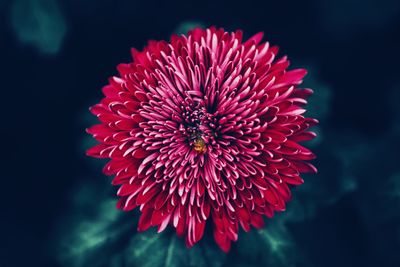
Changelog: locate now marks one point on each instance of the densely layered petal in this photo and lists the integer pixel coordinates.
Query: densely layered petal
(205, 127)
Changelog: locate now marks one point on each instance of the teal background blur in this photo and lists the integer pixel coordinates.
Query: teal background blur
(58, 209)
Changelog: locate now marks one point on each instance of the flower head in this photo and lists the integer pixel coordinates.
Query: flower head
(205, 127)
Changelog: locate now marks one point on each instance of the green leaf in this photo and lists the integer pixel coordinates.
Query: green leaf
(149, 249)
(39, 23)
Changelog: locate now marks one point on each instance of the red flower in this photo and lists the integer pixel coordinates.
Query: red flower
(204, 127)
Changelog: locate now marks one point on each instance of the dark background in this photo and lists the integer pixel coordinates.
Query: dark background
(56, 55)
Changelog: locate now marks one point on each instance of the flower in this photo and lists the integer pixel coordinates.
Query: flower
(204, 127)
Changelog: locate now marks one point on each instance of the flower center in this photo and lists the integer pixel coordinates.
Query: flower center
(199, 126)
(199, 145)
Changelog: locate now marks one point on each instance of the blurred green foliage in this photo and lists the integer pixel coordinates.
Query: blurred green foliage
(186, 26)
(319, 104)
(393, 186)
(39, 23)
(95, 232)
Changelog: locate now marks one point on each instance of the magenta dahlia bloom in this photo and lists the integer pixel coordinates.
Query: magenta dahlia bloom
(205, 127)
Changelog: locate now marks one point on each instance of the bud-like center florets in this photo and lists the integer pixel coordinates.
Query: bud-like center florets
(198, 125)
